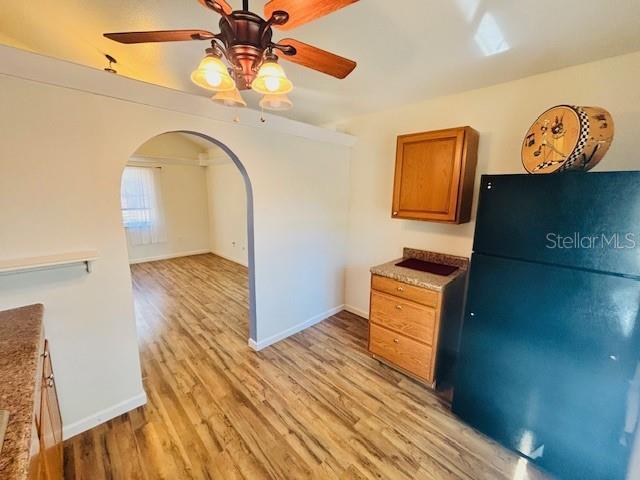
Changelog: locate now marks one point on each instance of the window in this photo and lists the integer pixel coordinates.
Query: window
(142, 215)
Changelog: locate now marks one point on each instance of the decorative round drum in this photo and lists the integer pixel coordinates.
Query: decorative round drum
(567, 137)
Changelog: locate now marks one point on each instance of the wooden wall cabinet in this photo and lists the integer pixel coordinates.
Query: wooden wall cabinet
(46, 442)
(434, 176)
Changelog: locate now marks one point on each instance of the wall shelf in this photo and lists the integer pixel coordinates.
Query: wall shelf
(48, 261)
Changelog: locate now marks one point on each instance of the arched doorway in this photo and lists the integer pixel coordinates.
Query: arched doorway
(171, 151)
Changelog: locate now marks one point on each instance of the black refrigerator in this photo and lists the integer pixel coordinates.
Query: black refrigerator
(550, 345)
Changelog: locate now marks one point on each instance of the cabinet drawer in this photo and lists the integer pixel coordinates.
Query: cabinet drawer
(408, 318)
(415, 357)
(403, 290)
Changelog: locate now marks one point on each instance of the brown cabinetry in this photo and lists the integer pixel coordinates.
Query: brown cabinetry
(416, 329)
(46, 442)
(434, 175)
(408, 318)
(403, 326)
(410, 355)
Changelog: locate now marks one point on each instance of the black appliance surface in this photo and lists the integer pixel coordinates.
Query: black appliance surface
(524, 216)
(551, 339)
(429, 267)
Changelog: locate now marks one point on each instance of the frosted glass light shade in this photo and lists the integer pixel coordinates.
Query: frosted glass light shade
(212, 74)
(232, 98)
(276, 102)
(271, 79)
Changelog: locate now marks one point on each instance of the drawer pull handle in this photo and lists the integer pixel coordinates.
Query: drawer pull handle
(45, 354)
(395, 340)
(399, 307)
(400, 289)
(50, 382)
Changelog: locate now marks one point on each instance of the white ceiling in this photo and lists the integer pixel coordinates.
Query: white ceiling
(406, 50)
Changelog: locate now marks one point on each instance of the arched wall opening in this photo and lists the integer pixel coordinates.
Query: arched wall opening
(172, 153)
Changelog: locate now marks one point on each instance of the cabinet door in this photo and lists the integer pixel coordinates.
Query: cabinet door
(35, 462)
(428, 175)
(50, 423)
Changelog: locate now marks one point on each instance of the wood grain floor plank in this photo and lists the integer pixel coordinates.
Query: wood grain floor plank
(314, 406)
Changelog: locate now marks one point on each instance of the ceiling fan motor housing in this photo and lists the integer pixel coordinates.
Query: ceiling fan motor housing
(245, 36)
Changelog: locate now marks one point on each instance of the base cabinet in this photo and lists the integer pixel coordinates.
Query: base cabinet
(46, 443)
(410, 355)
(415, 329)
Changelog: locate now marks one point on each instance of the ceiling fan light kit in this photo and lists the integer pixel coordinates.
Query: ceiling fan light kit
(231, 98)
(246, 42)
(276, 102)
(271, 79)
(212, 74)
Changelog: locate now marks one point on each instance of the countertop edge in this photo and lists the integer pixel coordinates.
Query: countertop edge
(25, 322)
(412, 277)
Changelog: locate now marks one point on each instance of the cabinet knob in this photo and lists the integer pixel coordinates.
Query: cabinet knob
(395, 340)
(399, 307)
(400, 289)
(395, 213)
(44, 354)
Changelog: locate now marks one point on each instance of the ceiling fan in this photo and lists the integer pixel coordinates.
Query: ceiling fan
(246, 41)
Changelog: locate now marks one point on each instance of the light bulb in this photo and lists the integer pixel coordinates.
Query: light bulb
(271, 79)
(276, 102)
(272, 84)
(213, 78)
(212, 74)
(231, 98)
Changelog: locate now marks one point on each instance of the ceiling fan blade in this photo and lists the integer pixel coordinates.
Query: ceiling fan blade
(226, 8)
(160, 36)
(317, 59)
(304, 11)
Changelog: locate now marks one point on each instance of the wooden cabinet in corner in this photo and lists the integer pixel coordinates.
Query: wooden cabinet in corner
(413, 335)
(32, 446)
(434, 175)
(46, 442)
(415, 317)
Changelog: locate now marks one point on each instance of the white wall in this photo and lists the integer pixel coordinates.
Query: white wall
(227, 211)
(62, 151)
(183, 188)
(502, 114)
(183, 191)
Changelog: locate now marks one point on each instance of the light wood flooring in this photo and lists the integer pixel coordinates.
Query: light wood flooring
(313, 406)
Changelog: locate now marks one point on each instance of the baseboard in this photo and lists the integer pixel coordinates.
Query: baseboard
(103, 416)
(295, 329)
(168, 256)
(231, 259)
(356, 311)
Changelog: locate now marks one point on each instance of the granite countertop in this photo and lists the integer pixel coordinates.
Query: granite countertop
(20, 344)
(423, 279)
